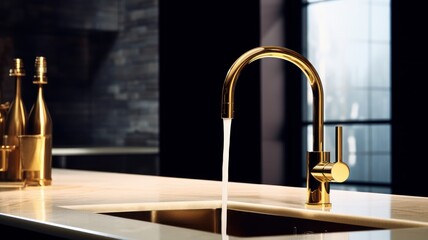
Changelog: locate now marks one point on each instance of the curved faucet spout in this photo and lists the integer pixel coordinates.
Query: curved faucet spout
(288, 55)
(319, 169)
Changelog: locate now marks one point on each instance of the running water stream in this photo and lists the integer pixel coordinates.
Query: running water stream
(225, 178)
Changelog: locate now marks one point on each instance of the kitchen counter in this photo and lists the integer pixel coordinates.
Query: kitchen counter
(69, 208)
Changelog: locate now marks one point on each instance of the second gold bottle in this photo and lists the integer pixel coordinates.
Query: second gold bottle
(36, 145)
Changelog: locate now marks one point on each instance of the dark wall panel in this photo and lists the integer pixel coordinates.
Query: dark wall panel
(199, 41)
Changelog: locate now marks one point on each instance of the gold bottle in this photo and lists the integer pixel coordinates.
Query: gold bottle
(15, 126)
(38, 166)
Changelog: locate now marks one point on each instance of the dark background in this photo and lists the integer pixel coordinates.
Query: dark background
(150, 73)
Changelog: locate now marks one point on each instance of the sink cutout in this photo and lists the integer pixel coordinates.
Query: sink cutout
(243, 219)
(239, 223)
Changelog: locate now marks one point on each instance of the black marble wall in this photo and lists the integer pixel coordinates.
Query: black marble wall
(102, 60)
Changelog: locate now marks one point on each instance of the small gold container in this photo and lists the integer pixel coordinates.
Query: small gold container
(5, 150)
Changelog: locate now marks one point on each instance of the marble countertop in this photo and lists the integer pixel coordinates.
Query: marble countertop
(70, 207)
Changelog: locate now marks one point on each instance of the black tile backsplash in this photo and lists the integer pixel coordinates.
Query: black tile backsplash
(102, 58)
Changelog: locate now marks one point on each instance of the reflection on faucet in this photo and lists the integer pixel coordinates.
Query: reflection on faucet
(320, 171)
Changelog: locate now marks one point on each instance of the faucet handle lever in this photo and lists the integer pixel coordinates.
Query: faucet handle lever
(339, 144)
(339, 170)
(326, 171)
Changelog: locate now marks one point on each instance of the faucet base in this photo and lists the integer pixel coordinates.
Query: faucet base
(326, 206)
(319, 194)
(318, 191)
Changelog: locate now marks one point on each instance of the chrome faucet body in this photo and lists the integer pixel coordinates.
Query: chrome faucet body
(320, 171)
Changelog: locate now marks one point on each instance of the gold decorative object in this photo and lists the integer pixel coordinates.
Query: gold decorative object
(15, 125)
(26, 153)
(36, 146)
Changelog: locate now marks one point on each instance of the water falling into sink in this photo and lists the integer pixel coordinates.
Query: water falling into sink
(225, 177)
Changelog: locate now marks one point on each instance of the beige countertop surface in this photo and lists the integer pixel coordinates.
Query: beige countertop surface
(70, 207)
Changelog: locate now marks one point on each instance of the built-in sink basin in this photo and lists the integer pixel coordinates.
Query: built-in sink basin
(239, 223)
(244, 219)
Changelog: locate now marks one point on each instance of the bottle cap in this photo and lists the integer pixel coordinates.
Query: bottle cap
(17, 69)
(40, 71)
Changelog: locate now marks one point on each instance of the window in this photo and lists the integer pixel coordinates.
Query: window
(348, 42)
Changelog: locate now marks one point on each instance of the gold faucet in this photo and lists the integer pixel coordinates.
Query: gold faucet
(319, 170)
